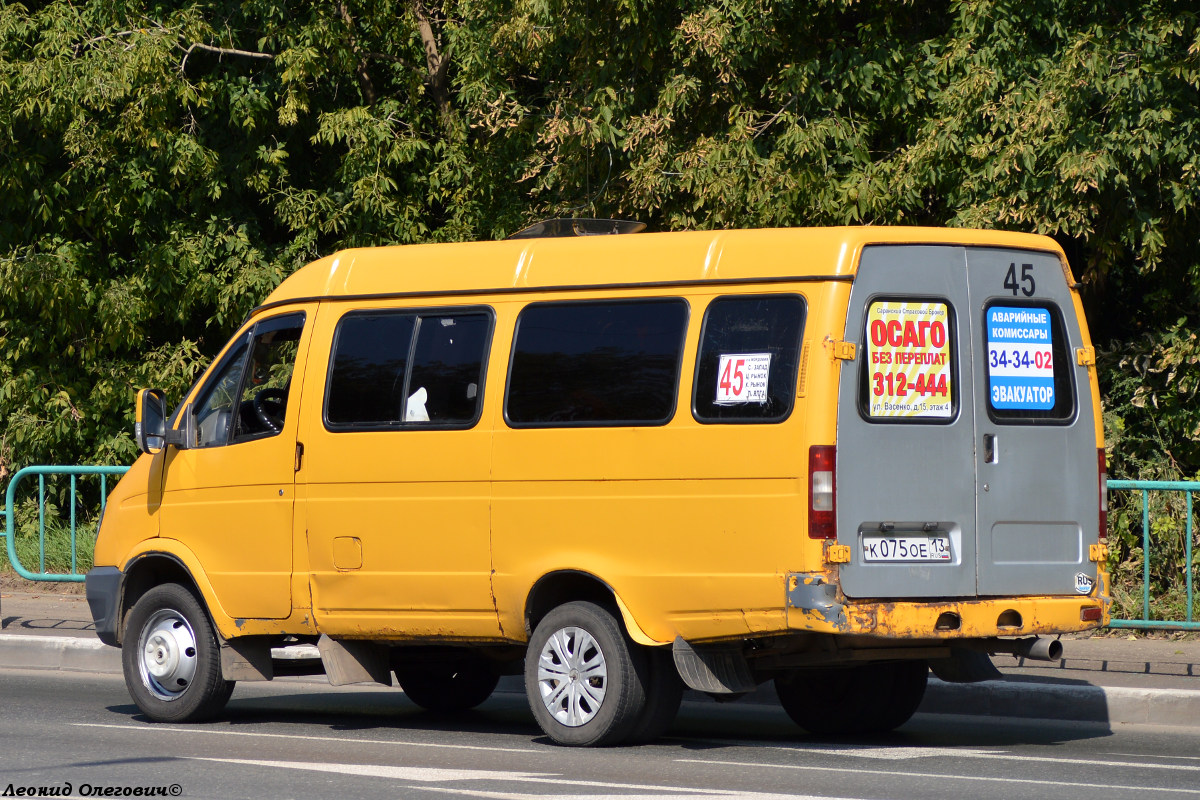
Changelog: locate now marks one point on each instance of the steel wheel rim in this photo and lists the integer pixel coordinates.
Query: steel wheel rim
(167, 654)
(572, 676)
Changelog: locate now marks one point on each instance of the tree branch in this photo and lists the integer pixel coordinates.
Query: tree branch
(364, 77)
(435, 65)
(222, 51)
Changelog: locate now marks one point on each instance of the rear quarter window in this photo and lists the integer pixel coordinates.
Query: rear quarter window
(748, 359)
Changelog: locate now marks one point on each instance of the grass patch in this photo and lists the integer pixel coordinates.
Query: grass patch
(1168, 556)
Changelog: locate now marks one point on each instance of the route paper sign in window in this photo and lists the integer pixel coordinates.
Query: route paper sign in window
(1020, 358)
(743, 378)
(908, 360)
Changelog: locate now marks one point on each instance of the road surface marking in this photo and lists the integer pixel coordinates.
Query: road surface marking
(157, 728)
(562, 783)
(939, 775)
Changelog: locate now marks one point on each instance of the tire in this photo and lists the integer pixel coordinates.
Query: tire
(446, 686)
(664, 693)
(585, 680)
(872, 698)
(171, 659)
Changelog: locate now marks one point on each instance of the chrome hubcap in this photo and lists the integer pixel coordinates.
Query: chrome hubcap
(572, 676)
(167, 654)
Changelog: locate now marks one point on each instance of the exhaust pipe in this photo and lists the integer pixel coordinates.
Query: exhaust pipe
(1034, 648)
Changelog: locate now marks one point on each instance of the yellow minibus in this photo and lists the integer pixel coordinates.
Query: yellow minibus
(622, 466)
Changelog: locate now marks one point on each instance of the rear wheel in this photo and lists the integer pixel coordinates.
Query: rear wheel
(585, 680)
(171, 659)
(447, 685)
(872, 698)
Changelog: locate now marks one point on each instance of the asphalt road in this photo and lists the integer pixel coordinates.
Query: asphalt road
(303, 740)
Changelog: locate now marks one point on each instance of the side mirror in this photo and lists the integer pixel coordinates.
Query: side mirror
(150, 429)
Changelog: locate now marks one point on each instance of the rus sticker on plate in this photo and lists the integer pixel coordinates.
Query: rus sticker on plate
(742, 378)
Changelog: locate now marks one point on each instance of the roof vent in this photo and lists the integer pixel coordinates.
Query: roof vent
(552, 228)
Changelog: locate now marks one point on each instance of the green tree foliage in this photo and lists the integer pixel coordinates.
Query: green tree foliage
(163, 165)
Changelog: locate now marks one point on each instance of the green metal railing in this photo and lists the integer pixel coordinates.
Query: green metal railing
(1189, 488)
(1146, 487)
(10, 522)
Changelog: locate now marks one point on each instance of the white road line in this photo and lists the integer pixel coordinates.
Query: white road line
(562, 783)
(1151, 755)
(940, 775)
(890, 753)
(419, 774)
(390, 742)
(1087, 762)
(732, 795)
(908, 753)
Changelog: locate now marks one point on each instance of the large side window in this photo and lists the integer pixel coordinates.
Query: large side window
(596, 363)
(247, 397)
(1028, 367)
(909, 369)
(392, 369)
(749, 354)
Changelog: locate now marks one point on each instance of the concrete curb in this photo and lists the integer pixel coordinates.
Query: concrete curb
(1074, 703)
(66, 653)
(1015, 699)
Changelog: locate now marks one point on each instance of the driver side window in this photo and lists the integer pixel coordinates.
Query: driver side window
(247, 398)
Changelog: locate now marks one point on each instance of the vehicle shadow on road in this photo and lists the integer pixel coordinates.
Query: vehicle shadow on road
(700, 726)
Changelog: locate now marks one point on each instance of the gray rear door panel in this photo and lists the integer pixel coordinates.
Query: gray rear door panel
(1019, 524)
(907, 474)
(1038, 502)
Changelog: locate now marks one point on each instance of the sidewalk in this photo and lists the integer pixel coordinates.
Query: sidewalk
(1110, 679)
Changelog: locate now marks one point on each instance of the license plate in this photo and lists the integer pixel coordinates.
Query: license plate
(918, 547)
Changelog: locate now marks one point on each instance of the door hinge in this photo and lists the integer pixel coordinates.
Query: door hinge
(1085, 356)
(1097, 552)
(299, 455)
(844, 351)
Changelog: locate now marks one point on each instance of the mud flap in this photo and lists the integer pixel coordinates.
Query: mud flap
(716, 669)
(246, 659)
(352, 661)
(965, 666)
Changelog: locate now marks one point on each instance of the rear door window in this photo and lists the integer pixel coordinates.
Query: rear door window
(1028, 368)
(909, 368)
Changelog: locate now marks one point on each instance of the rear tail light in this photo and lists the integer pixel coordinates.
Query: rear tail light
(1103, 463)
(822, 489)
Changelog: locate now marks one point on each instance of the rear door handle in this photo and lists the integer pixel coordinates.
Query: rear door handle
(991, 454)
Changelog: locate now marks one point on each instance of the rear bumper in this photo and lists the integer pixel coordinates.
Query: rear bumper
(103, 586)
(814, 605)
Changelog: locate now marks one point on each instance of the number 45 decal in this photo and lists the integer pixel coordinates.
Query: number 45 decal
(1010, 280)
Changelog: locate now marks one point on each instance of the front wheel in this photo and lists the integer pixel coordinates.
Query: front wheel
(171, 659)
(872, 698)
(585, 680)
